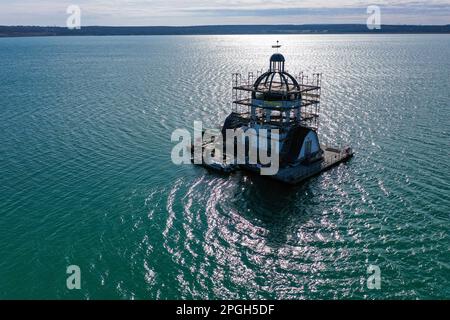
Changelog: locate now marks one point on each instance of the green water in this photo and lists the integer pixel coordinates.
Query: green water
(86, 175)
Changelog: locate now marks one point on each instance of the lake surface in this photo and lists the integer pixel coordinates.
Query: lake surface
(87, 179)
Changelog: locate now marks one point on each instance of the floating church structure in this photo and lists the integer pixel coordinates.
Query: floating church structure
(278, 101)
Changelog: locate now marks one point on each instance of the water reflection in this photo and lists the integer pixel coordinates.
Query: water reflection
(277, 207)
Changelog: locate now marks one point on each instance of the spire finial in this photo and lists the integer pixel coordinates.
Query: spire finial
(277, 46)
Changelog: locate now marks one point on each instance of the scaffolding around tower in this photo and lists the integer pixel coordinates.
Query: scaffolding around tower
(302, 100)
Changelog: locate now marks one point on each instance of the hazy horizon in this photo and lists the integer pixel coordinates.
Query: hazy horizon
(174, 13)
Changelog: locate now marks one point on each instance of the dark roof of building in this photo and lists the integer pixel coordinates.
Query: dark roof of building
(234, 121)
(296, 138)
(299, 134)
(277, 57)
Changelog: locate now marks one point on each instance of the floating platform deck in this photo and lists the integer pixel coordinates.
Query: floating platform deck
(298, 173)
(293, 174)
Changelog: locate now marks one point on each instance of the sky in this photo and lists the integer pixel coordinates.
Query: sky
(214, 12)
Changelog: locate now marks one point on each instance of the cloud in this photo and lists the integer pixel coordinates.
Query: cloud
(195, 12)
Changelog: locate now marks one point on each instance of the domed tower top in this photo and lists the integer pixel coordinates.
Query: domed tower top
(276, 83)
(277, 63)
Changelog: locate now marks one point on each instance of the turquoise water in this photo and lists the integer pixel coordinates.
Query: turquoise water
(87, 180)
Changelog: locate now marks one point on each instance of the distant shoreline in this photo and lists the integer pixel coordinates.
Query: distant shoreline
(316, 29)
